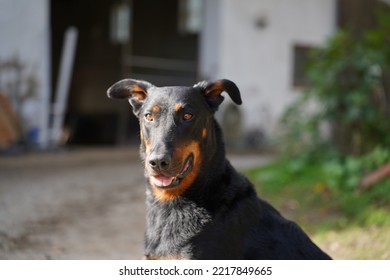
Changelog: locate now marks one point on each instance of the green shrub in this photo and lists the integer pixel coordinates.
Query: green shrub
(349, 88)
(327, 183)
(349, 94)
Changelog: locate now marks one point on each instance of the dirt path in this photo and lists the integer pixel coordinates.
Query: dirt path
(84, 204)
(75, 205)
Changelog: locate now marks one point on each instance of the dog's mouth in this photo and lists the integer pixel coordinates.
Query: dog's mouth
(166, 182)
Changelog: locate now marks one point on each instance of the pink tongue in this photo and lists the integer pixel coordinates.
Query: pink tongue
(161, 181)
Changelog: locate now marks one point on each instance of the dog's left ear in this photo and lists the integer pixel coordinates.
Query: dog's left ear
(213, 90)
(135, 91)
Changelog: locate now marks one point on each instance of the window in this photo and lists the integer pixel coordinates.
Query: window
(301, 58)
(190, 16)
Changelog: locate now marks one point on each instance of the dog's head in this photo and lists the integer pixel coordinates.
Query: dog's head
(176, 122)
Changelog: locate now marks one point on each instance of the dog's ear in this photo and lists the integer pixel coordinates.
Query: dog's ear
(135, 91)
(213, 90)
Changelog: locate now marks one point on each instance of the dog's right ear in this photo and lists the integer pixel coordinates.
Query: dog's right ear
(135, 91)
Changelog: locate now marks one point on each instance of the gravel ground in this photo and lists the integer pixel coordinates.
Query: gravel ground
(77, 204)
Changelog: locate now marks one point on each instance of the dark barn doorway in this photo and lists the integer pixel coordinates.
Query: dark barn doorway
(158, 48)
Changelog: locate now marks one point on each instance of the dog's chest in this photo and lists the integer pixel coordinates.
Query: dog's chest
(171, 227)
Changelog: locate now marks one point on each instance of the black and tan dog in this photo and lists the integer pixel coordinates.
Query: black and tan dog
(198, 205)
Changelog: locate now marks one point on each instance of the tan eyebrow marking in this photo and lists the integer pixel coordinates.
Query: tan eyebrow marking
(177, 107)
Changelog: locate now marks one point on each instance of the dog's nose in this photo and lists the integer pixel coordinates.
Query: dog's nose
(159, 162)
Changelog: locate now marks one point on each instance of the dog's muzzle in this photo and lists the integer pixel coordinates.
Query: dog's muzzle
(164, 181)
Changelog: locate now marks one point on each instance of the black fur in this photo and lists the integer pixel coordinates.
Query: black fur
(219, 216)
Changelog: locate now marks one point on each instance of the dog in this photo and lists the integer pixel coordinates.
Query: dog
(198, 205)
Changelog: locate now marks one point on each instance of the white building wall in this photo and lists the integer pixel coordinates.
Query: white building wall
(25, 34)
(210, 40)
(260, 59)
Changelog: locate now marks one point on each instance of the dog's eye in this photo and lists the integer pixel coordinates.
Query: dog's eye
(149, 117)
(187, 116)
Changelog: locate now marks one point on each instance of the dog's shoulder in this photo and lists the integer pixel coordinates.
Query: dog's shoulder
(264, 232)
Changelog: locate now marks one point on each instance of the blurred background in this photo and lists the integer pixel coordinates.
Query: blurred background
(313, 132)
